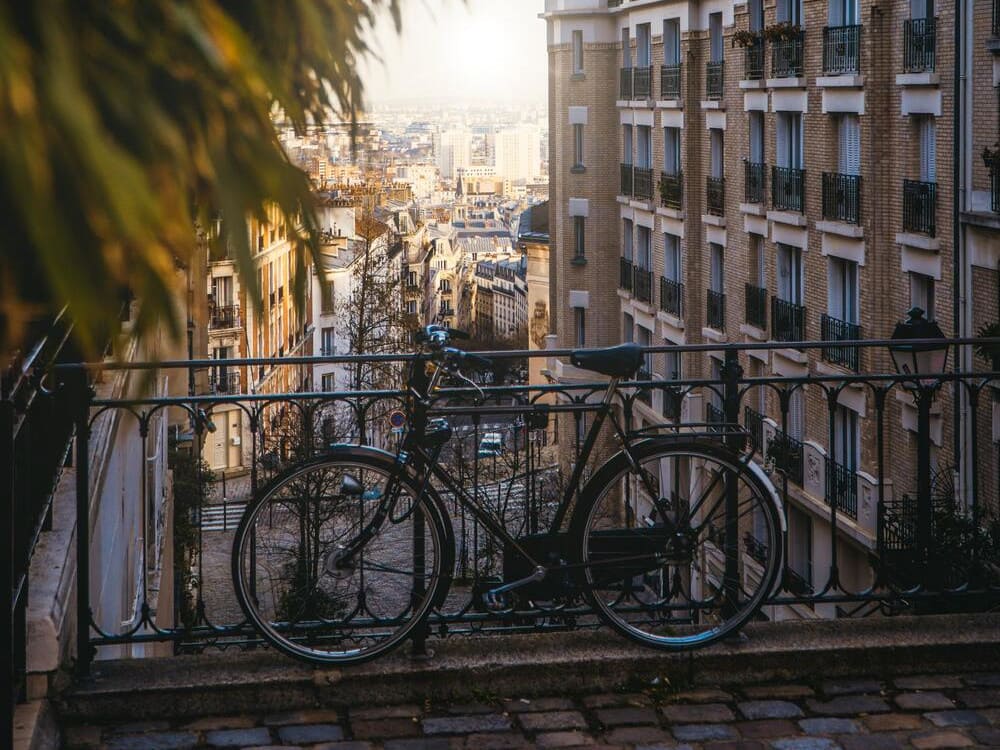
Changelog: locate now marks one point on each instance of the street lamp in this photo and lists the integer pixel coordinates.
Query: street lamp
(919, 349)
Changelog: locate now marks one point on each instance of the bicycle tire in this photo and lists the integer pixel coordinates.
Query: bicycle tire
(630, 595)
(335, 620)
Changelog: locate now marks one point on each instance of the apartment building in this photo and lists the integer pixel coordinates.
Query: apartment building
(785, 172)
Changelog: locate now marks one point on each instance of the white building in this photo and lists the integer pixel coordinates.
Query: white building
(517, 152)
(453, 150)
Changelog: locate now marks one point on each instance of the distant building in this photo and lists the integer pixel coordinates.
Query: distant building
(517, 152)
(452, 150)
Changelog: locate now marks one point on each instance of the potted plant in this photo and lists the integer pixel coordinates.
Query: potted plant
(991, 156)
(745, 38)
(783, 31)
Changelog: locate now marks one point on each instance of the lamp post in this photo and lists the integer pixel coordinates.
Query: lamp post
(919, 349)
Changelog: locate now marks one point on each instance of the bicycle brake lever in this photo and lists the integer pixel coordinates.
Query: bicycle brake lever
(461, 376)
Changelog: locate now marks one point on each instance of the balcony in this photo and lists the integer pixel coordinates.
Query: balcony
(642, 183)
(787, 192)
(920, 207)
(787, 56)
(223, 317)
(714, 79)
(625, 274)
(625, 83)
(753, 61)
(642, 82)
(715, 196)
(753, 423)
(786, 454)
(919, 45)
(841, 49)
(754, 177)
(671, 296)
(842, 197)
(756, 306)
(841, 487)
(995, 184)
(716, 310)
(714, 416)
(832, 329)
(626, 179)
(642, 284)
(224, 381)
(670, 81)
(672, 190)
(788, 320)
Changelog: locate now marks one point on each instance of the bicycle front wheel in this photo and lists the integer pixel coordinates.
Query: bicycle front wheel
(679, 548)
(317, 606)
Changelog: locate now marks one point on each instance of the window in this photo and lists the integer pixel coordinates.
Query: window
(329, 301)
(222, 291)
(849, 144)
(921, 8)
(671, 41)
(645, 340)
(411, 307)
(627, 239)
(578, 145)
(790, 273)
(328, 341)
(579, 246)
(644, 150)
(672, 365)
(627, 144)
(758, 269)
(845, 437)
(626, 49)
(628, 328)
(755, 10)
(577, 51)
(796, 414)
(788, 140)
(800, 543)
(756, 119)
(844, 13)
(644, 250)
(843, 290)
(672, 150)
(643, 46)
(329, 382)
(580, 325)
(928, 149)
(791, 11)
(922, 293)
(716, 144)
(715, 36)
(672, 257)
(717, 279)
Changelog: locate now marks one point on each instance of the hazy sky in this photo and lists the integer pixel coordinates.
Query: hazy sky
(477, 50)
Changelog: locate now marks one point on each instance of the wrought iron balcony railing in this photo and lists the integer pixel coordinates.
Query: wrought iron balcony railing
(626, 179)
(920, 207)
(642, 82)
(625, 275)
(787, 56)
(787, 193)
(788, 320)
(625, 83)
(841, 49)
(224, 316)
(671, 296)
(919, 45)
(642, 183)
(715, 196)
(995, 184)
(642, 284)
(787, 455)
(842, 487)
(753, 61)
(716, 309)
(715, 79)
(756, 306)
(753, 422)
(833, 329)
(672, 190)
(670, 81)
(842, 197)
(225, 381)
(714, 415)
(754, 177)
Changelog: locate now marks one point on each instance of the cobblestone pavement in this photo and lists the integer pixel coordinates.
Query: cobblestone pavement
(934, 711)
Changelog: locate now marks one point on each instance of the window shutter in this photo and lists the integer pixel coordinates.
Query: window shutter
(796, 414)
(757, 137)
(671, 42)
(781, 139)
(836, 15)
(928, 150)
(850, 145)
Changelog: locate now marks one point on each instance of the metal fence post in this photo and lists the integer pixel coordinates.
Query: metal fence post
(7, 568)
(731, 374)
(81, 395)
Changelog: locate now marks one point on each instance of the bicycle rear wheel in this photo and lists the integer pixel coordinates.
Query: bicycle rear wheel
(680, 549)
(286, 574)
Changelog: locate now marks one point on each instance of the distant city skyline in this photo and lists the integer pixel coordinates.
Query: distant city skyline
(471, 50)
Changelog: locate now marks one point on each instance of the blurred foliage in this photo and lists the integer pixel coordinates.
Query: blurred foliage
(127, 124)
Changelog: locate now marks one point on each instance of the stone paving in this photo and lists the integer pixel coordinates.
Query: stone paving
(924, 712)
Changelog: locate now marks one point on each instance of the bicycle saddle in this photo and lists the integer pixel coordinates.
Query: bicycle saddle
(615, 361)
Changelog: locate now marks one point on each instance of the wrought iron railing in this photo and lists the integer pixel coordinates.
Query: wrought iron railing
(642, 183)
(715, 79)
(833, 329)
(842, 487)
(753, 61)
(224, 316)
(787, 188)
(642, 82)
(787, 56)
(842, 197)
(625, 83)
(626, 179)
(671, 296)
(642, 285)
(920, 207)
(786, 454)
(753, 422)
(225, 381)
(670, 81)
(919, 45)
(672, 190)
(715, 195)
(754, 177)
(715, 416)
(715, 309)
(788, 320)
(625, 275)
(756, 306)
(841, 49)
(995, 184)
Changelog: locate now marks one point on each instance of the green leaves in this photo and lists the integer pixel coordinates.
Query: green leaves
(126, 124)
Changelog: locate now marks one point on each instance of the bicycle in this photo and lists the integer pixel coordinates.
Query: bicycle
(675, 541)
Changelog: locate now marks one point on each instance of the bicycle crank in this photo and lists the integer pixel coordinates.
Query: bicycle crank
(499, 598)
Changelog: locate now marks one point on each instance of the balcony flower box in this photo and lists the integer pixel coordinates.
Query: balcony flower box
(783, 31)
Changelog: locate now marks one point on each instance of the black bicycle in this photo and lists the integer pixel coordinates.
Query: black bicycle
(675, 541)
